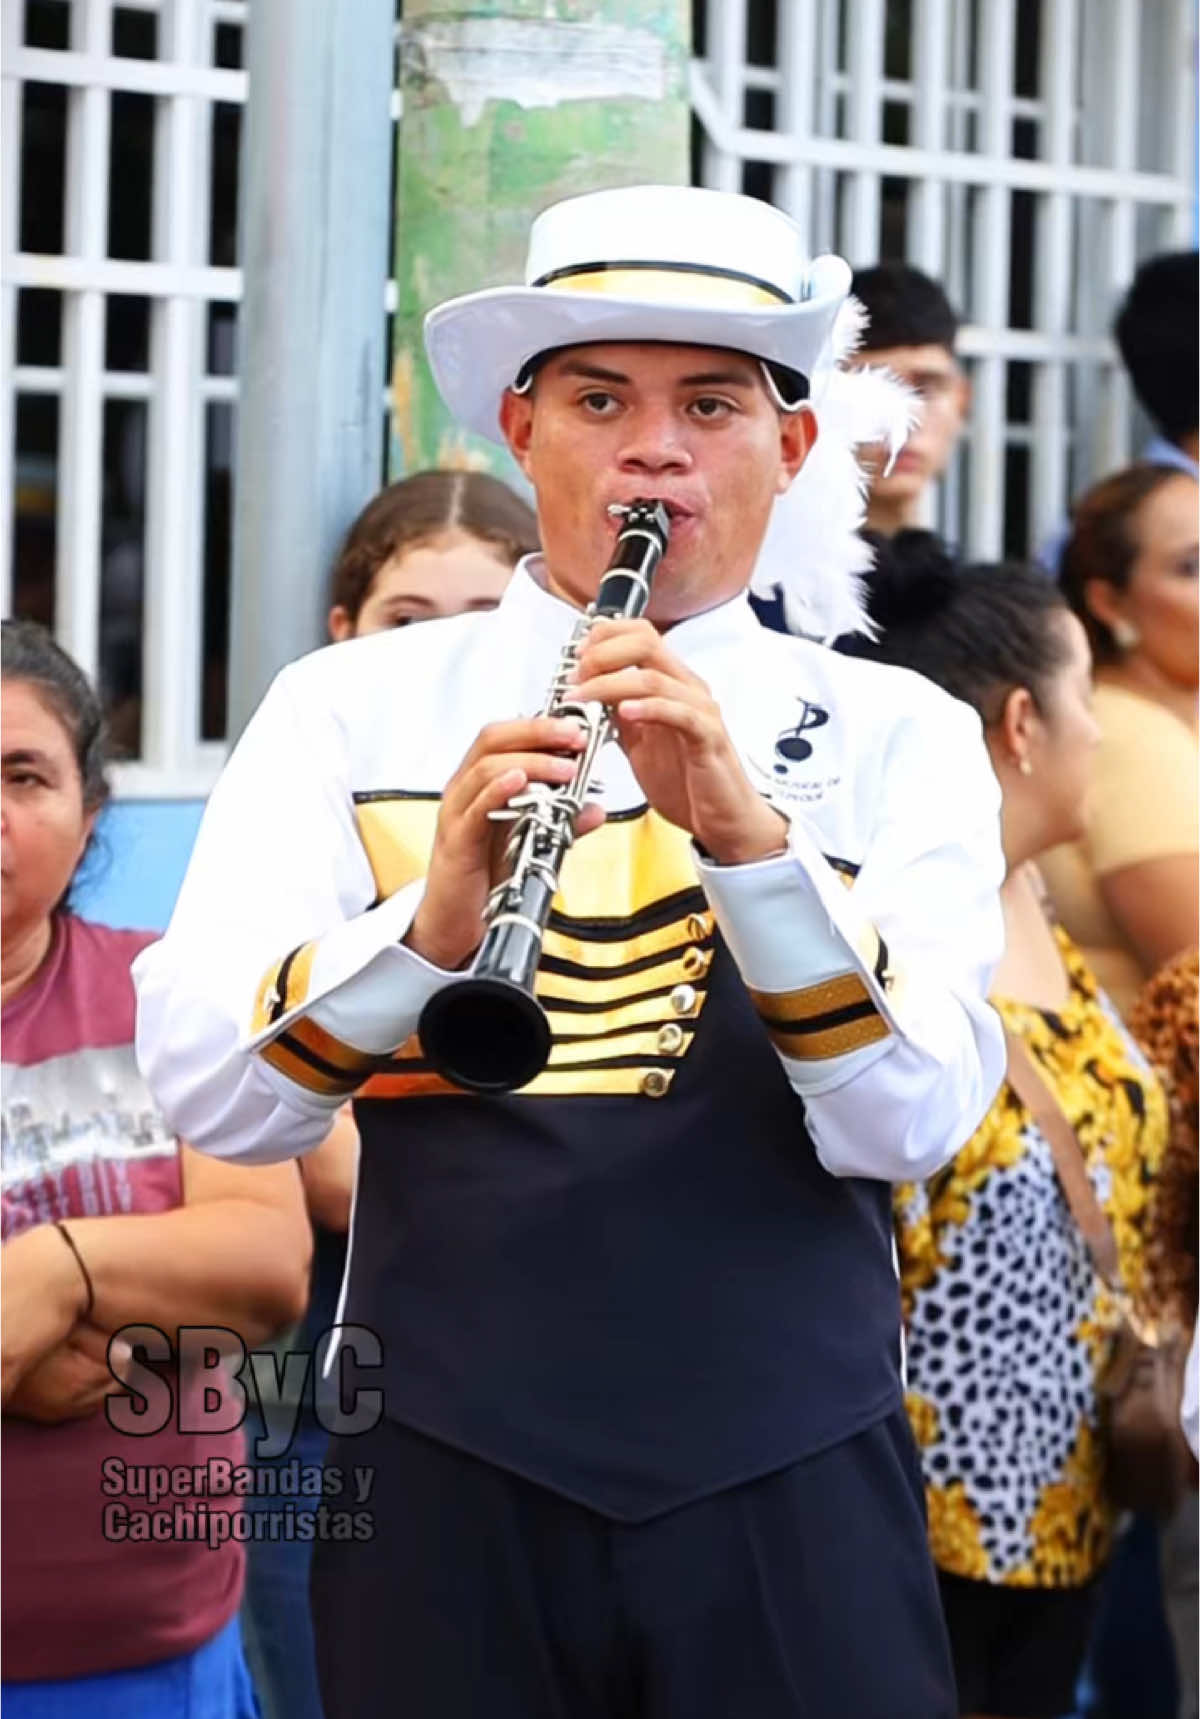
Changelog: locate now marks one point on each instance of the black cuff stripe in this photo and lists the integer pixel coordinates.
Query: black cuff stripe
(821, 1023)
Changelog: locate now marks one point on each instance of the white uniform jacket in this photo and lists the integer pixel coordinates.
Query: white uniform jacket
(282, 986)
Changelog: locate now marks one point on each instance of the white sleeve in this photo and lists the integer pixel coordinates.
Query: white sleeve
(281, 978)
(875, 996)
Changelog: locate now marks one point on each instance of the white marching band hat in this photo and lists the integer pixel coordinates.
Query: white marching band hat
(696, 268)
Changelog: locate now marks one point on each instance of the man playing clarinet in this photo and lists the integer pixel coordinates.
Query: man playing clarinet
(643, 1452)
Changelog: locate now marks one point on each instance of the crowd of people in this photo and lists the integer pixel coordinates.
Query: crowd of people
(896, 930)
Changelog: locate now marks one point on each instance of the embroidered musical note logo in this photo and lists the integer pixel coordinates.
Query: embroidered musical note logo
(791, 747)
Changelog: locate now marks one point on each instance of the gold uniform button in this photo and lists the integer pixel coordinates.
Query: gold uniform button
(655, 1082)
(670, 1038)
(697, 926)
(695, 962)
(682, 1000)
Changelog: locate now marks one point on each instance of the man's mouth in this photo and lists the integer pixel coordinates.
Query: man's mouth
(677, 511)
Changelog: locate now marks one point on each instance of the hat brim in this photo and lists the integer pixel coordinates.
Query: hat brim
(478, 343)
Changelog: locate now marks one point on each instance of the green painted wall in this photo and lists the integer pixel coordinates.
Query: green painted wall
(510, 105)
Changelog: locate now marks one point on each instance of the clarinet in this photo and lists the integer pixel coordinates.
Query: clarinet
(486, 1032)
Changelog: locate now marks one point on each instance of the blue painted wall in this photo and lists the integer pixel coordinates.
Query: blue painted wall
(142, 852)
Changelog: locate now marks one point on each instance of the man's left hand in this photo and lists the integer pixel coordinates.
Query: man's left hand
(670, 728)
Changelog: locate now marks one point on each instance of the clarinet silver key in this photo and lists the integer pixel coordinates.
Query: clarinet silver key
(487, 1032)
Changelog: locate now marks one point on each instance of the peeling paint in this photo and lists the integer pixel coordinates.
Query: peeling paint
(534, 63)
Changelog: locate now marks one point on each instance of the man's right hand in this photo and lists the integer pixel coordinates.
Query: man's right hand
(468, 846)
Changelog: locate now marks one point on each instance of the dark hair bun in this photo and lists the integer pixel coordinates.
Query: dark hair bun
(913, 579)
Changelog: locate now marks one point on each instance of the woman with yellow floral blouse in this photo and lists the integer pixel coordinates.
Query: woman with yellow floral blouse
(1008, 1327)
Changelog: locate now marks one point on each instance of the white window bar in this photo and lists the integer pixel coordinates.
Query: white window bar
(907, 162)
(860, 225)
(727, 56)
(927, 199)
(824, 236)
(172, 633)
(989, 306)
(796, 88)
(81, 422)
(959, 121)
(1122, 41)
(1178, 99)
(1052, 268)
(97, 69)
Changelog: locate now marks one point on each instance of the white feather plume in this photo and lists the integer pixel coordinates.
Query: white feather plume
(813, 554)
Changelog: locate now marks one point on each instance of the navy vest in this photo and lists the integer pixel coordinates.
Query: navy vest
(634, 1301)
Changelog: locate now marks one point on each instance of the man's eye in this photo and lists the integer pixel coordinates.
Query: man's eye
(599, 403)
(710, 406)
(400, 621)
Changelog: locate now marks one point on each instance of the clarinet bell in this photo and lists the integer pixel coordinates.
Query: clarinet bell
(485, 1033)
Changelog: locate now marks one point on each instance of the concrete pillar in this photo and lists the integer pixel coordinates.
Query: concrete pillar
(314, 226)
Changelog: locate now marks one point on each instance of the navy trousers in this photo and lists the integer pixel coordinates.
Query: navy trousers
(807, 1594)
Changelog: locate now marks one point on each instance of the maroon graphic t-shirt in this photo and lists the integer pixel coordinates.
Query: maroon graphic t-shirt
(81, 1138)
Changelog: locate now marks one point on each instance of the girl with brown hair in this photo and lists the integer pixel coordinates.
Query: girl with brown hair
(437, 543)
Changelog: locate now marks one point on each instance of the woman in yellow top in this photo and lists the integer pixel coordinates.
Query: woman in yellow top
(1006, 1322)
(1126, 891)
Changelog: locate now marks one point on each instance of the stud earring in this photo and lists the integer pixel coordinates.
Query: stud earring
(1024, 766)
(1125, 634)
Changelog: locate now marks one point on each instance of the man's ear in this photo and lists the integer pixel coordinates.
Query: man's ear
(340, 625)
(516, 421)
(797, 435)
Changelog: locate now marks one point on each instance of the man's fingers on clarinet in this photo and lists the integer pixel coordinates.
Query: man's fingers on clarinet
(613, 645)
(530, 745)
(490, 783)
(640, 681)
(528, 734)
(685, 719)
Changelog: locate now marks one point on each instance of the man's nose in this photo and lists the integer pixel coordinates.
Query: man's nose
(655, 443)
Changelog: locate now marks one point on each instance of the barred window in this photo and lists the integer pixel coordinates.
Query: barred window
(1025, 152)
